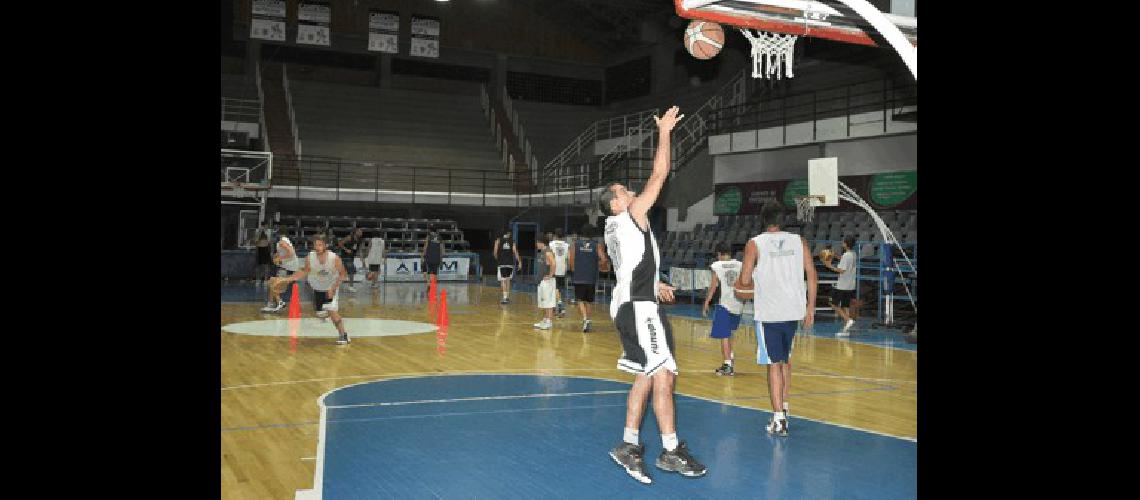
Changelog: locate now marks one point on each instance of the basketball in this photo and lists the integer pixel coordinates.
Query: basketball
(825, 254)
(704, 39)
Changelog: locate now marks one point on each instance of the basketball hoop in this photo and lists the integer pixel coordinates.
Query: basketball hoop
(767, 50)
(805, 210)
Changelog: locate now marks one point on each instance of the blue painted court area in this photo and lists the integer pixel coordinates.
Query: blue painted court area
(524, 436)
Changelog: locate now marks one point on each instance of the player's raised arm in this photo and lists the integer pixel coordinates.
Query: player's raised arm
(640, 206)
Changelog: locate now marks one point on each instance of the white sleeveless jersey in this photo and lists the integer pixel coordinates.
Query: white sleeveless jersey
(322, 276)
(780, 293)
(293, 263)
(726, 272)
(635, 258)
(375, 250)
(561, 251)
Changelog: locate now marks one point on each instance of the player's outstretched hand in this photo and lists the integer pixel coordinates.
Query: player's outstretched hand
(665, 292)
(667, 122)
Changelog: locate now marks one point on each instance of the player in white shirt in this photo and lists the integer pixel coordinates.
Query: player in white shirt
(561, 250)
(726, 317)
(325, 272)
(777, 261)
(288, 263)
(645, 333)
(374, 259)
(845, 286)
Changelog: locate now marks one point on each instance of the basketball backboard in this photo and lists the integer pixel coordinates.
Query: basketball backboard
(823, 180)
(831, 19)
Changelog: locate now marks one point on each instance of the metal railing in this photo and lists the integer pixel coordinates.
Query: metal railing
(692, 134)
(241, 110)
(636, 128)
(377, 181)
(878, 97)
(289, 108)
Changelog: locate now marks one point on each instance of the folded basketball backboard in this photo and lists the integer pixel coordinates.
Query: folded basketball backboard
(833, 20)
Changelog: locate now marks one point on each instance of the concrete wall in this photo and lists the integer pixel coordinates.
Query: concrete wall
(856, 157)
(700, 213)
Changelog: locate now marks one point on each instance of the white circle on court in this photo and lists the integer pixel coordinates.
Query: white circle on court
(314, 327)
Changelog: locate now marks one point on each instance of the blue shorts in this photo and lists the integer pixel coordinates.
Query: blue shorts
(724, 323)
(774, 341)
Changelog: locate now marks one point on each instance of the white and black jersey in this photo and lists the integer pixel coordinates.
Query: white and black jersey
(635, 258)
(645, 333)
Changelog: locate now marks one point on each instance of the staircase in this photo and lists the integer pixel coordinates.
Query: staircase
(277, 120)
(505, 127)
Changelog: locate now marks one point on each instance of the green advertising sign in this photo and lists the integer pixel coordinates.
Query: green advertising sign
(890, 189)
(728, 202)
(795, 188)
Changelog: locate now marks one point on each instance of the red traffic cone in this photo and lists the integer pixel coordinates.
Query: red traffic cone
(295, 302)
(443, 321)
(441, 341)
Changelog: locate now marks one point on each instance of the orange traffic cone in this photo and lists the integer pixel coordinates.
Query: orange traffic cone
(295, 302)
(294, 318)
(443, 321)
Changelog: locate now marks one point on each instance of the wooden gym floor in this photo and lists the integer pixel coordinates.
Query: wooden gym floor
(271, 381)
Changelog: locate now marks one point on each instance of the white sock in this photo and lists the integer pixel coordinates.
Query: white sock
(728, 362)
(785, 406)
(669, 441)
(505, 294)
(631, 436)
(779, 415)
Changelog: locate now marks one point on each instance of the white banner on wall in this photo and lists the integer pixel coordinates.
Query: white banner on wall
(383, 31)
(269, 8)
(411, 269)
(268, 21)
(425, 37)
(313, 24)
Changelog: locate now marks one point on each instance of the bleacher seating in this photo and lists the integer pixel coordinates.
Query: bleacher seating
(400, 235)
(696, 248)
(395, 126)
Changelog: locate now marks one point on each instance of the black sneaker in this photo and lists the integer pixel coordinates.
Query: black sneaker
(631, 458)
(585, 326)
(680, 461)
(725, 369)
(777, 427)
(343, 339)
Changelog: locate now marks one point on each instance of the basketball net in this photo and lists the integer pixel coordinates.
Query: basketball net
(805, 210)
(767, 51)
